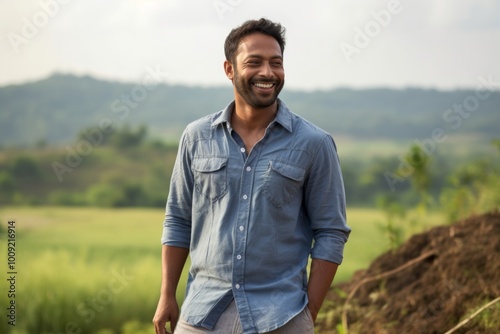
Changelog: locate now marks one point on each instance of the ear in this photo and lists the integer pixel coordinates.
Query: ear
(228, 68)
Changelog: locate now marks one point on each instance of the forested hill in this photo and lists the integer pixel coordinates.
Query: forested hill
(54, 110)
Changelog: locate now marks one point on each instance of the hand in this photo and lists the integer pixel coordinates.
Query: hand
(166, 311)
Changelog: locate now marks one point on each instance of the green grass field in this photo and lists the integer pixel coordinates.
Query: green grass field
(90, 270)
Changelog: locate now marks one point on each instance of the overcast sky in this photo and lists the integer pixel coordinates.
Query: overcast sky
(441, 44)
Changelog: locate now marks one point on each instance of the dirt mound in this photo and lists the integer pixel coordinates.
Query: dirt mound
(455, 271)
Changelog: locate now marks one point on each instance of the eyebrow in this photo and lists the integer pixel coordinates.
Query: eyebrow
(261, 57)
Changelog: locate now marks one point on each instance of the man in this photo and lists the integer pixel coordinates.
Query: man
(253, 186)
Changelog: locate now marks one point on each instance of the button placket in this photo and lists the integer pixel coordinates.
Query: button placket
(240, 229)
(241, 235)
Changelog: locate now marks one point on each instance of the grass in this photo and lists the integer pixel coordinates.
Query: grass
(86, 268)
(97, 270)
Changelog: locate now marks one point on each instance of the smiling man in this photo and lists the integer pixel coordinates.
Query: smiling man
(255, 191)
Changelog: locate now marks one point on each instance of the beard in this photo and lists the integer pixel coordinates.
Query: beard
(245, 89)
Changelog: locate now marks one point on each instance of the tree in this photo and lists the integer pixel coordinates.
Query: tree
(7, 187)
(420, 161)
(126, 137)
(473, 188)
(25, 168)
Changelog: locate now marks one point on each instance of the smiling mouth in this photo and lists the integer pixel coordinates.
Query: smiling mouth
(263, 85)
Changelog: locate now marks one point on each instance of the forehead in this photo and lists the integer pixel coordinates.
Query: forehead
(260, 45)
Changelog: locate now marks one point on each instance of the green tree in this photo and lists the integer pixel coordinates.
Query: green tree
(25, 168)
(473, 188)
(395, 213)
(7, 187)
(132, 194)
(95, 135)
(127, 137)
(420, 179)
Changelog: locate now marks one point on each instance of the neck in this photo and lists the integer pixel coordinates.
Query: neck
(249, 119)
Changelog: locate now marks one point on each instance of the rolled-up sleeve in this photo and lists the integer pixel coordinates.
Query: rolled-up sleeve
(177, 223)
(326, 204)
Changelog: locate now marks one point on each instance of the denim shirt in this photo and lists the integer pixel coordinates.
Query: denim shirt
(250, 218)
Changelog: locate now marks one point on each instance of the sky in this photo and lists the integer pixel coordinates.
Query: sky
(445, 44)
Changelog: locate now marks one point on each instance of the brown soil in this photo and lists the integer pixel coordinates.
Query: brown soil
(432, 295)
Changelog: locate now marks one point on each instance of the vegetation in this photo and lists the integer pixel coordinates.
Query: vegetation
(126, 168)
(51, 111)
(473, 188)
(97, 270)
(87, 196)
(84, 270)
(123, 170)
(470, 189)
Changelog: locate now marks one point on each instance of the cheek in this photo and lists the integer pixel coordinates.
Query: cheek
(281, 76)
(279, 72)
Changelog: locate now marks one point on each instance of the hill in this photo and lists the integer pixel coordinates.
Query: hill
(55, 109)
(429, 285)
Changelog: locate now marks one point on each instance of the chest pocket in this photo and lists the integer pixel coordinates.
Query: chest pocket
(283, 182)
(210, 176)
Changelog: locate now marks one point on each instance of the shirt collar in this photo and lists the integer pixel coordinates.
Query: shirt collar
(283, 117)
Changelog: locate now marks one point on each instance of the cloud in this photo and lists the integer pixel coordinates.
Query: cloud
(465, 15)
(118, 39)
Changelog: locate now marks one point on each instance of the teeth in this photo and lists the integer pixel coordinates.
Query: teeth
(264, 85)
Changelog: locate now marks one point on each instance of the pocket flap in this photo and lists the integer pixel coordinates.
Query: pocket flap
(207, 165)
(289, 171)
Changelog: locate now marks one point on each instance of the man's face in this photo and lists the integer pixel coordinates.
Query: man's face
(258, 73)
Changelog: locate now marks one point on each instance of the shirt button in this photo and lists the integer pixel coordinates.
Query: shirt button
(249, 168)
(245, 197)
(238, 257)
(242, 150)
(237, 286)
(241, 228)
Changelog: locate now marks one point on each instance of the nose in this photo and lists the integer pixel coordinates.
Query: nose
(266, 70)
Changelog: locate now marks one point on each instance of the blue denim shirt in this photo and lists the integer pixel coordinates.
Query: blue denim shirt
(250, 220)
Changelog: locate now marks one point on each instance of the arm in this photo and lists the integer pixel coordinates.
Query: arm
(325, 200)
(320, 279)
(175, 238)
(173, 260)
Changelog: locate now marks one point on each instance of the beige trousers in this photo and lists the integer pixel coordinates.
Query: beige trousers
(229, 323)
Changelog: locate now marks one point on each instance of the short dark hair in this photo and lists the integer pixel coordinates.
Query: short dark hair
(263, 26)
